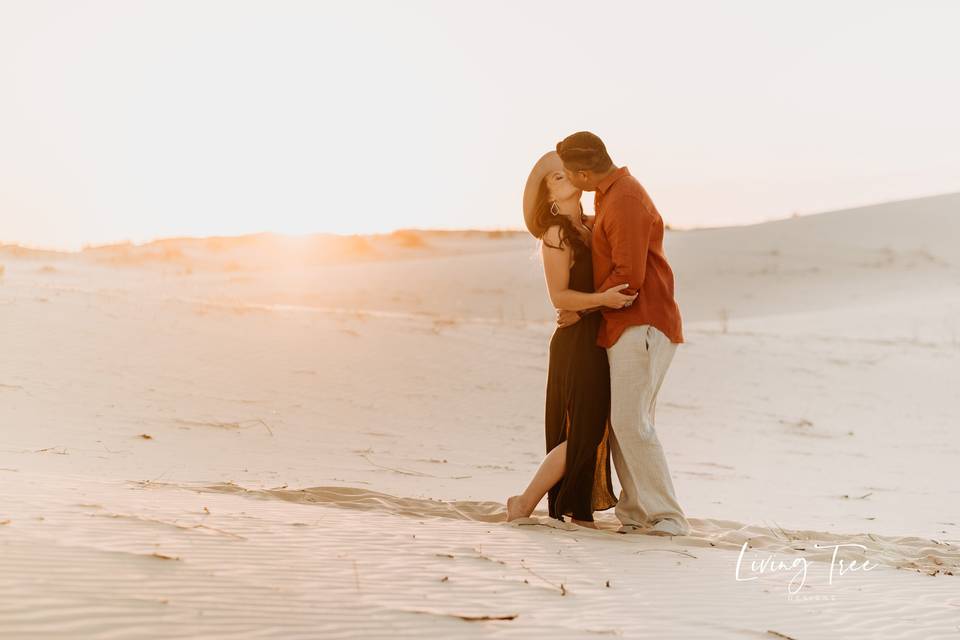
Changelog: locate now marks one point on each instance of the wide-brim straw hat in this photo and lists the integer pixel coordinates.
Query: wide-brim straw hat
(548, 163)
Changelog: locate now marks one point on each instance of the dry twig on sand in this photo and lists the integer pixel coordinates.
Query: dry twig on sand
(480, 555)
(169, 523)
(239, 424)
(409, 473)
(683, 553)
(780, 532)
(464, 616)
(62, 452)
(562, 589)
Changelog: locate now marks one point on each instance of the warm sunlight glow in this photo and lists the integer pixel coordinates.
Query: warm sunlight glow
(134, 121)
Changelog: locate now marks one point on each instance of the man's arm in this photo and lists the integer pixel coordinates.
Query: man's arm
(565, 318)
(628, 224)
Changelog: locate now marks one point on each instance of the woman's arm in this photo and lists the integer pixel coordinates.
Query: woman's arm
(556, 271)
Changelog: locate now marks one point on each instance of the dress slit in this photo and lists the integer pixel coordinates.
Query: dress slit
(578, 407)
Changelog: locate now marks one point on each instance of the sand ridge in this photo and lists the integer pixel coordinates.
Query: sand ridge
(202, 438)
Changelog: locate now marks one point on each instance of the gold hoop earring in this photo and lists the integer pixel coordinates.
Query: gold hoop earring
(554, 209)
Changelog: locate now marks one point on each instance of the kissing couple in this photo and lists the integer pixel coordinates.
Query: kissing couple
(618, 327)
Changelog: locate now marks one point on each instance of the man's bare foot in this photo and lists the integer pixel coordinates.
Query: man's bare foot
(585, 523)
(517, 509)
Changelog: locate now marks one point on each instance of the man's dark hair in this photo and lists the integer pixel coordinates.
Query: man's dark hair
(583, 151)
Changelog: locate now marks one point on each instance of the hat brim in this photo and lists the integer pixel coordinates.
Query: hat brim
(548, 163)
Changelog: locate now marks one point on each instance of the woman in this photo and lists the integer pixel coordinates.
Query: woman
(575, 474)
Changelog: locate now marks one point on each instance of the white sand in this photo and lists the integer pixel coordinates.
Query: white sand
(334, 424)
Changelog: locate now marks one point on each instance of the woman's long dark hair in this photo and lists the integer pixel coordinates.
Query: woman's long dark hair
(543, 219)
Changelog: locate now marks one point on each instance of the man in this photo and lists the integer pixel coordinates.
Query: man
(640, 339)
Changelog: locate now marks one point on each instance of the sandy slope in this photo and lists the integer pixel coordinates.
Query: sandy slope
(333, 424)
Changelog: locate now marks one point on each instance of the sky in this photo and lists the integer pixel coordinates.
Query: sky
(134, 120)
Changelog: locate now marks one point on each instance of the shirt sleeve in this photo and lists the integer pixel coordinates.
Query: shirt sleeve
(628, 225)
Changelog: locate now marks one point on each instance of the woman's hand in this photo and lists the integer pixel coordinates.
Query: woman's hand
(615, 300)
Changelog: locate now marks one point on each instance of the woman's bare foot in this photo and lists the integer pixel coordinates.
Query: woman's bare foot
(585, 523)
(516, 508)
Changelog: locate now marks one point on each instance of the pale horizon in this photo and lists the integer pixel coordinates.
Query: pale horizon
(515, 229)
(147, 121)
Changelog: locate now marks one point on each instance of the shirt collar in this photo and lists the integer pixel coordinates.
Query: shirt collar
(606, 183)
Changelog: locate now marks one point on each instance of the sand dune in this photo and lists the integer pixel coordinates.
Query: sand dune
(145, 560)
(923, 554)
(302, 438)
(517, 603)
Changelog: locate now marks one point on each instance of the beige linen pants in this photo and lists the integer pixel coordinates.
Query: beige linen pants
(638, 363)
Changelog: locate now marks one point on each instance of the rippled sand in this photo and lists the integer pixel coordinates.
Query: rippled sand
(281, 438)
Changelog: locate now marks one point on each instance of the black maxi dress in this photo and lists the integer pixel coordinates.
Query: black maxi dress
(578, 406)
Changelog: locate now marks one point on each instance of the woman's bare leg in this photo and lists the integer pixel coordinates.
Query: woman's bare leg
(549, 474)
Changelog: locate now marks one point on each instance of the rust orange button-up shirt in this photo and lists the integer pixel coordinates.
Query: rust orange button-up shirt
(628, 248)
